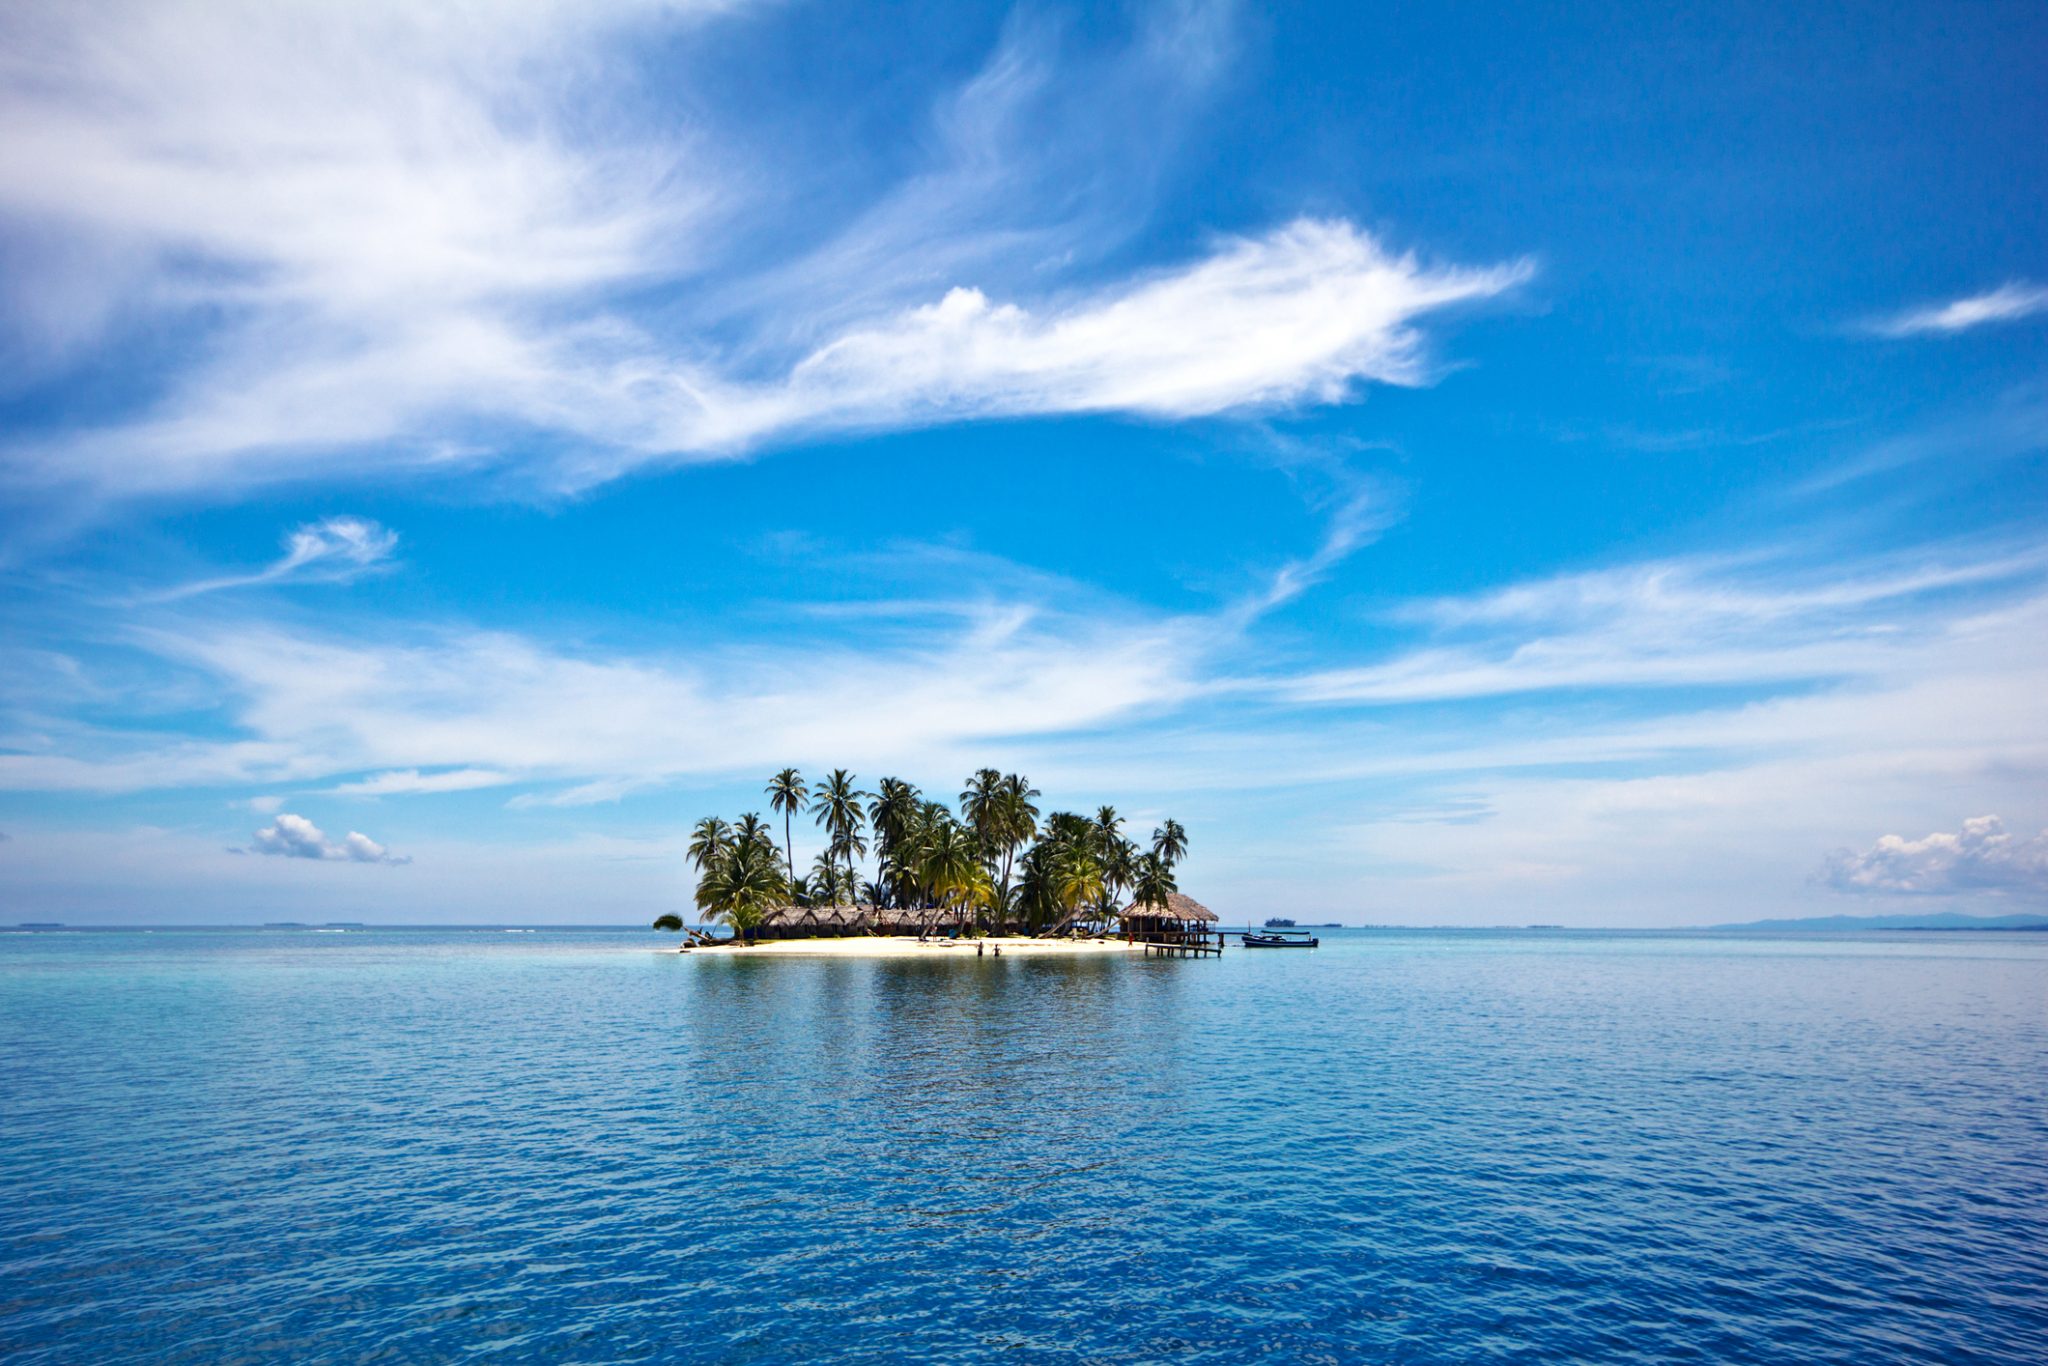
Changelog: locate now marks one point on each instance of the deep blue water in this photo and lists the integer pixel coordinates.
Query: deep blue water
(1404, 1147)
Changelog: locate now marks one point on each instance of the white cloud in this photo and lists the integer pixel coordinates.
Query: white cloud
(1667, 624)
(366, 213)
(2008, 303)
(2013, 423)
(335, 550)
(291, 836)
(1981, 857)
(408, 781)
(1045, 161)
(1301, 314)
(401, 236)
(117, 874)
(1857, 694)
(454, 709)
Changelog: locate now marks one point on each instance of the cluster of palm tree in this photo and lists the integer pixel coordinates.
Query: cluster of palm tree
(739, 872)
(1081, 868)
(996, 865)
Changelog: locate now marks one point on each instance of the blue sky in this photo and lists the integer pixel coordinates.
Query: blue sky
(1470, 464)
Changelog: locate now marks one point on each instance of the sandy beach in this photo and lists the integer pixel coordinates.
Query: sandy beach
(906, 946)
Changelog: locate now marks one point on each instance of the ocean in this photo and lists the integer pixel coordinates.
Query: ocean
(1455, 1146)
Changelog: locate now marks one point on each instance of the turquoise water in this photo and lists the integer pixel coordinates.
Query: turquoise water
(1404, 1147)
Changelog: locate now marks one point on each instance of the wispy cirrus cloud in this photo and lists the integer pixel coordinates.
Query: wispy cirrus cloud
(456, 709)
(1681, 623)
(399, 240)
(1302, 314)
(355, 215)
(2008, 303)
(412, 782)
(334, 550)
(2009, 424)
(1750, 709)
(452, 709)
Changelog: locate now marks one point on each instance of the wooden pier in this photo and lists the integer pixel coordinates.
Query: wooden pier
(1192, 944)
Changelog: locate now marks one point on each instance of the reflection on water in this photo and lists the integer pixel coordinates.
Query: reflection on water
(1416, 1147)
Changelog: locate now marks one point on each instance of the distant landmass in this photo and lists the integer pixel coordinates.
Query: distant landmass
(1938, 920)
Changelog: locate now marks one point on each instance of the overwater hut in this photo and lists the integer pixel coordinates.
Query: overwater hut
(1181, 919)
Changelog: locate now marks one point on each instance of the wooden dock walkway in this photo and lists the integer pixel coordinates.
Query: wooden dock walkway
(1185, 946)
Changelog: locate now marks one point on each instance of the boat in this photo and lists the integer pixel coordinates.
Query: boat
(1284, 939)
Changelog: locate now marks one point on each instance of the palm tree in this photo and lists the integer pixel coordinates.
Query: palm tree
(1119, 859)
(893, 814)
(1000, 809)
(948, 860)
(671, 922)
(994, 864)
(743, 885)
(787, 793)
(829, 882)
(1018, 824)
(979, 808)
(710, 838)
(1154, 882)
(1076, 876)
(1032, 898)
(1116, 855)
(837, 808)
(1170, 843)
(979, 894)
(752, 832)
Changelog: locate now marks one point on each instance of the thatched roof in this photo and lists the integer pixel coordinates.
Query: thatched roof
(1178, 907)
(849, 918)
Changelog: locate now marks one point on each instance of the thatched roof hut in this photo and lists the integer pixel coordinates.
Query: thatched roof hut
(1182, 920)
(807, 922)
(1179, 908)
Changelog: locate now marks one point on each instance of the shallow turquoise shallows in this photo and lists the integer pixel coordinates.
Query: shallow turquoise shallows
(412, 1145)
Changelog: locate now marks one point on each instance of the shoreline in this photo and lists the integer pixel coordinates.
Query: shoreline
(907, 946)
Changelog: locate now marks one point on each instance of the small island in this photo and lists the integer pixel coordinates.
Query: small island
(997, 877)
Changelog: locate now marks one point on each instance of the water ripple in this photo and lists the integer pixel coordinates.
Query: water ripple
(400, 1147)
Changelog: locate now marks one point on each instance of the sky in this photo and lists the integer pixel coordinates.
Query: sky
(1470, 464)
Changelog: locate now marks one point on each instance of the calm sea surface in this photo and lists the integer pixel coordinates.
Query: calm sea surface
(406, 1145)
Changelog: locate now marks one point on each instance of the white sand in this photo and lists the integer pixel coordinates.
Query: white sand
(906, 946)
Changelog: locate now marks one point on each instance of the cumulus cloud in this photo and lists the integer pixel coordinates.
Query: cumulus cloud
(291, 836)
(331, 551)
(1982, 857)
(2008, 303)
